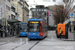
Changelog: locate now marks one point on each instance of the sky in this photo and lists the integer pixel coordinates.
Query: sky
(33, 3)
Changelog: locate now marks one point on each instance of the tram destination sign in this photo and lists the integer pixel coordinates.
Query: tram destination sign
(34, 22)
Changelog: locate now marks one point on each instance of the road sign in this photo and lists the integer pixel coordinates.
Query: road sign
(72, 14)
(71, 19)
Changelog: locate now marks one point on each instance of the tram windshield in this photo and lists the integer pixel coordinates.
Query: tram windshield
(23, 28)
(34, 27)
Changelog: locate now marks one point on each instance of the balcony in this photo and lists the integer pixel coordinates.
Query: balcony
(13, 5)
(13, 9)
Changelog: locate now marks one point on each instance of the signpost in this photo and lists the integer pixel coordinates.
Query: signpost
(72, 19)
(71, 14)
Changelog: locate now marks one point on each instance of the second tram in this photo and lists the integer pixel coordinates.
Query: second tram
(23, 29)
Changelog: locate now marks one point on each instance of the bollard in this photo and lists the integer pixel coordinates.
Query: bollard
(26, 40)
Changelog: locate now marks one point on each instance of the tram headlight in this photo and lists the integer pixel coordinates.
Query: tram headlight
(41, 34)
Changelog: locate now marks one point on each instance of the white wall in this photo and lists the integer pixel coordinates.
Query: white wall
(30, 14)
(51, 20)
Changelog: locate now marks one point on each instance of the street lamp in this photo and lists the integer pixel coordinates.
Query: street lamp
(23, 9)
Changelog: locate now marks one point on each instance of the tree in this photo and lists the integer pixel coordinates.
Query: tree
(60, 14)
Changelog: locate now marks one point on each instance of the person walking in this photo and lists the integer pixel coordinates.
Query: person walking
(1, 33)
(60, 32)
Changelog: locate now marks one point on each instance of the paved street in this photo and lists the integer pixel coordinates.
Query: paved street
(52, 43)
(49, 43)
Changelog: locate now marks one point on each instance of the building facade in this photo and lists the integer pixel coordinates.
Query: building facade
(7, 12)
(26, 11)
(51, 10)
(7, 9)
(40, 12)
(18, 9)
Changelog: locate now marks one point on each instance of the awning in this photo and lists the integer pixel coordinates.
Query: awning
(16, 23)
(13, 21)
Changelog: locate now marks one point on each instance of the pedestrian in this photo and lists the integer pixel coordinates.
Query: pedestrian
(70, 29)
(1, 33)
(60, 32)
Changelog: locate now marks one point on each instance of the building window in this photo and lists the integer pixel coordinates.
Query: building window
(42, 13)
(12, 16)
(54, 0)
(19, 11)
(34, 13)
(12, 9)
(37, 9)
(8, 0)
(37, 13)
(66, 1)
(7, 7)
(33, 9)
(42, 10)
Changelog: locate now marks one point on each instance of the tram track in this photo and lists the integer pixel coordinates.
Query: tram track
(18, 46)
(4, 43)
(7, 42)
(25, 43)
(13, 40)
(33, 45)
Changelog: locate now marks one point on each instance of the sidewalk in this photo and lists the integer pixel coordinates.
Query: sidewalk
(71, 37)
(7, 35)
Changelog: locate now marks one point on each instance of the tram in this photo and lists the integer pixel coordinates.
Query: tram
(37, 29)
(23, 29)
